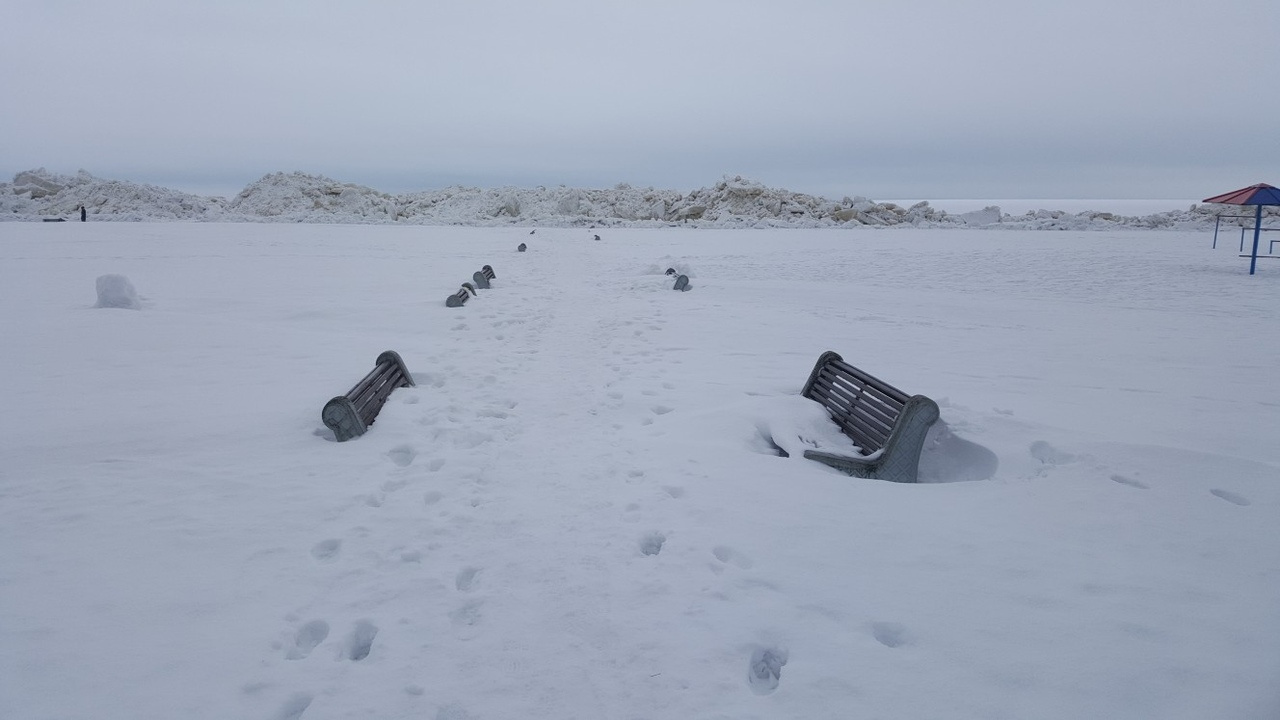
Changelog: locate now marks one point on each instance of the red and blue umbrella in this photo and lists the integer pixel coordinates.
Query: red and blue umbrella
(1256, 195)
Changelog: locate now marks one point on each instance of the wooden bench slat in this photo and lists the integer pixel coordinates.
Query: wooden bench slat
(371, 383)
(866, 404)
(869, 379)
(888, 394)
(887, 409)
(862, 426)
(868, 437)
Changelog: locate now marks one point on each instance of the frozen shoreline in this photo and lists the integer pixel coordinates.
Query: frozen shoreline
(1021, 206)
(731, 203)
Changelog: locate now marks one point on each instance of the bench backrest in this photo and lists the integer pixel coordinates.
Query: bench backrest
(865, 407)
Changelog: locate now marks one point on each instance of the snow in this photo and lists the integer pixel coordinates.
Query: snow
(732, 203)
(580, 510)
(117, 291)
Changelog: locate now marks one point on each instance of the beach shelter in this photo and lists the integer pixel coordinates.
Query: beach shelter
(1256, 195)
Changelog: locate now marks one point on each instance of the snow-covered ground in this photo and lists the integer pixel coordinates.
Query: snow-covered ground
(579, 512)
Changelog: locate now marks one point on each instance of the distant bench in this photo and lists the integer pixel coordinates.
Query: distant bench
(886, 424)
(482, 277)
(351, 415)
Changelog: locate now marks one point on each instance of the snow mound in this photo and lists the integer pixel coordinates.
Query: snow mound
(38, 193)
(116, 291)
(735, 203)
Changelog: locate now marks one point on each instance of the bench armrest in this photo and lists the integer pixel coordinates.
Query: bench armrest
(899, 460)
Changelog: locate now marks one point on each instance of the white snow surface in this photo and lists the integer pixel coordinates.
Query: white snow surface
(580, 512)
(733, 202)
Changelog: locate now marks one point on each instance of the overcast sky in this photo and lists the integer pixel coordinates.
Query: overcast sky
(900, 99)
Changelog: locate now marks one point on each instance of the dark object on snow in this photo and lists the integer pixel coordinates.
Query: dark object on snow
(480, 279)
(83, 214)
(53, 220)
(532, 231)
(351, 415)
(887, 426)
(682, 283)
(521, 247)
(671, 271)
(488, 272)
(597, 237)
(470, 288)
(457, 299)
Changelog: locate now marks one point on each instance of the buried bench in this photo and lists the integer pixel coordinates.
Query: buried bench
(350, 415)
(482, 277)
(459, 298)
(886, 424)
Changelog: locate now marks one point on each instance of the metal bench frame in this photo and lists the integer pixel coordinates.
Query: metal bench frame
(482, 277)
(886, 424)
(459, 298)
(350, 415)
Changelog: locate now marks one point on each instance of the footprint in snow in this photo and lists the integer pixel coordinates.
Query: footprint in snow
(466, 579)
(307, 638)
(730, 556)
(651, 544)
(1129, 481)
(326, 550)
(360, 642)
(889, 634)
(402, 455)
(765, 670)
(1050, 455)
(468, 614)
(1231, 497)
(294, 707)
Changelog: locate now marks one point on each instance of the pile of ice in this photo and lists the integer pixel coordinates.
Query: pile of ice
(37, 194)
(734, 202)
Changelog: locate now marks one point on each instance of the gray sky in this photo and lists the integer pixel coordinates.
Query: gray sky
(883, 98)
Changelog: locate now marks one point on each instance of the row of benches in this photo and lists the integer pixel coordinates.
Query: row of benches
(480, 279)
(886, 425)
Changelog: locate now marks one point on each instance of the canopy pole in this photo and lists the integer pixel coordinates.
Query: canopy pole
(1257, 230)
